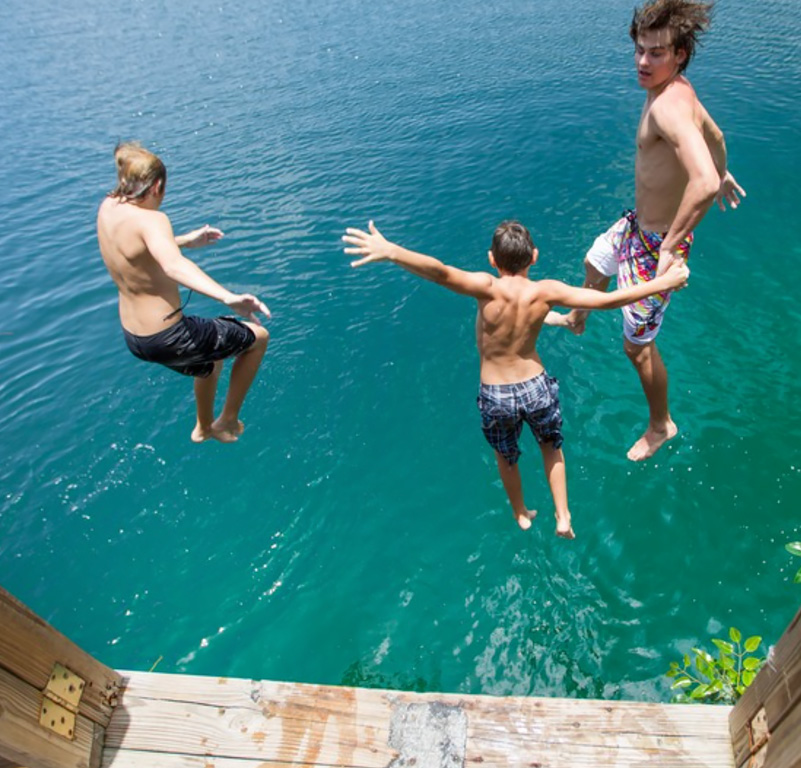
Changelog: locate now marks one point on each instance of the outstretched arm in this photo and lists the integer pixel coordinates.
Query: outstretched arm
(162, 244)
(373, 246)
(560, 294)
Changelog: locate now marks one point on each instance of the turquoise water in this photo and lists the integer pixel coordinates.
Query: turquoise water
(358, 533)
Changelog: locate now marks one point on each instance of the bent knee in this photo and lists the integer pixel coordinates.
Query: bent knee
(260, 332)
(638, 353)
(262, 337)
(593, 277)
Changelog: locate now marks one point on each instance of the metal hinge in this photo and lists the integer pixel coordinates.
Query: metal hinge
(60, 701)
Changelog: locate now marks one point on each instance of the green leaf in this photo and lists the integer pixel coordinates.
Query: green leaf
(702, 665)
(682, 682)
(748, 677)
(797, 577)
(699, 692)
(727, 662)
(672, 673)
(752, 663)
(723, 646)
(794, 548)
(752, 643)
(686, 660)
(735, 635)
(674, 665)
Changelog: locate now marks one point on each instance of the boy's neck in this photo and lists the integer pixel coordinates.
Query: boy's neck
(523, 273)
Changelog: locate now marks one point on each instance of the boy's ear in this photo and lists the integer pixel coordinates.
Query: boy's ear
(534, 256)
(491, 258)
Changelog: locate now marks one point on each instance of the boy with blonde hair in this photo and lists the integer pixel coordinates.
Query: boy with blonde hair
(144, 259)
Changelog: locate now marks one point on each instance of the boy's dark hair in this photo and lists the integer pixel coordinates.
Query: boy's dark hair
(512, 247)
(686, 21)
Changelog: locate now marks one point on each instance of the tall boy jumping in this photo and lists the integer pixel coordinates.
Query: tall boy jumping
(511, 309)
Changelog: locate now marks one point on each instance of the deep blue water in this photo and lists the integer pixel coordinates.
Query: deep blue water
(358, 532)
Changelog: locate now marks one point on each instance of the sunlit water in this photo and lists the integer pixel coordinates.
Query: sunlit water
(358, 533)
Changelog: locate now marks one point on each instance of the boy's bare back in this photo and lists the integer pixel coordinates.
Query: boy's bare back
(147, 294)
(507, 327)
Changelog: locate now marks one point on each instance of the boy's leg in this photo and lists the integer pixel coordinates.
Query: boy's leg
(513, 485)
(554, 462)
(654, 379)
(243, 372)
(205, 391)
(600, 264)
(576, 319)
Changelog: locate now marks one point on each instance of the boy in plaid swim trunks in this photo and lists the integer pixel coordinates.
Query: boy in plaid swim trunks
(511, 308)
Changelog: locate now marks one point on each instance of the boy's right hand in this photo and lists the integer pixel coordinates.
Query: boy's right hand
(372, 245)
(676, 275)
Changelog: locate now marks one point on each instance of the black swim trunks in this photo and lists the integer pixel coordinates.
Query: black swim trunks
(504, 408)
(193, 344)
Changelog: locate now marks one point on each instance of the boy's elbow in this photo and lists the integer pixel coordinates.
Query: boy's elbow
(708, 187)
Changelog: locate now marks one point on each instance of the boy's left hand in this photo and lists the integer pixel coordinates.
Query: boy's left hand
(197, 238)
(372, 245)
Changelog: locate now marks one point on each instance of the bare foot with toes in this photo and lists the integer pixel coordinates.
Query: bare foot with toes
(651, 441)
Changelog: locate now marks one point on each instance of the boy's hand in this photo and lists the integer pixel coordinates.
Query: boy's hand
(372, 245)
(676, 275)
(247, 305)
(197, 238)
(730, 192)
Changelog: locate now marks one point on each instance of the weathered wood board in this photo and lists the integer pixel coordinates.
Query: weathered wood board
(181, 721)
(775, 697)
(29, 647)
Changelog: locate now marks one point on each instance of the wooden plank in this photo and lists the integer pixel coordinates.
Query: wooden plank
(281, 733)
(784, 747)
(777, 687)
(23, 740)
(29, 647)
(613, 715)
(607, 716)
(121, 758)
(271, 723)
(214, 691)
(562, 732)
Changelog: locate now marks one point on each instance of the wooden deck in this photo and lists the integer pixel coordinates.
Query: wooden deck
(182, 721)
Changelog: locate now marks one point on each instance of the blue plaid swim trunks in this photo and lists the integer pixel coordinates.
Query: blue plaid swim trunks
(504, 408)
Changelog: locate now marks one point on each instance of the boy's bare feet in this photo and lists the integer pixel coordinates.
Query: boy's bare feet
(564, 527)
(201, 434)
(651, 441)
(227, 431)
(524, 519)
(575, 322)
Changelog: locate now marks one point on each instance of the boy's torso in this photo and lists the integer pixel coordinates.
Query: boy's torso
(660, 178)
(507, 327)
(147, 295)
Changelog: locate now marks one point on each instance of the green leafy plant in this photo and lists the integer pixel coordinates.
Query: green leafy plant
(794, 548)
(721, 679)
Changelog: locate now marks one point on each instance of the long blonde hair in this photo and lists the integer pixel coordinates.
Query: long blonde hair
(137, 172)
